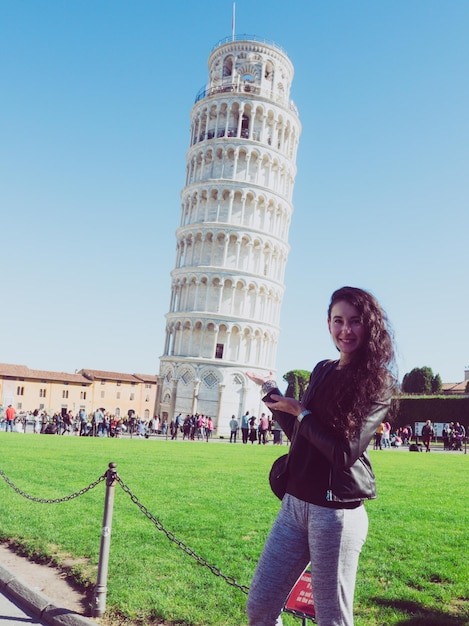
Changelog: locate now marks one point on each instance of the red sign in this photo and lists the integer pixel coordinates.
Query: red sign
(300, 601)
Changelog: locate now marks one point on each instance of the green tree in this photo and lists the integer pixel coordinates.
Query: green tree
(297, 382)
(422, 380)
(437, 385)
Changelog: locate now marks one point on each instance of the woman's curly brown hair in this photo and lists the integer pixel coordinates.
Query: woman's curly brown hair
(370, 376)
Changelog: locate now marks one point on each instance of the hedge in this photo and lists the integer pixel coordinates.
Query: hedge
(412, 409)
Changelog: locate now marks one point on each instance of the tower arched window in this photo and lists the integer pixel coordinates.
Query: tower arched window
(228, 67)
(248, 82)
(245, 126)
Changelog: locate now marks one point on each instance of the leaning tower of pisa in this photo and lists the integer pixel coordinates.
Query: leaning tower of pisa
(232, 240)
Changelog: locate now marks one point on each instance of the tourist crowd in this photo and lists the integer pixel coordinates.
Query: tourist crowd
(249, 429)
(454, 435)
(99, 423)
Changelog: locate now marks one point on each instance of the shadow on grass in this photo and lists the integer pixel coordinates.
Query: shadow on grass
(419, 615)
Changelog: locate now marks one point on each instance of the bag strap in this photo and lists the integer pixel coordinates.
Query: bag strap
(292, 441)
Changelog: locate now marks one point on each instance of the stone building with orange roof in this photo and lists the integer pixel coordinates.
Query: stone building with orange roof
(118, 392)
(27, 389)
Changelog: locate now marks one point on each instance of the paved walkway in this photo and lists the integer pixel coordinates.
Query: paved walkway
(12, 613)
(21, 604)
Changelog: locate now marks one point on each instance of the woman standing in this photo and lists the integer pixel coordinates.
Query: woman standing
(252, 429)
(322, 519)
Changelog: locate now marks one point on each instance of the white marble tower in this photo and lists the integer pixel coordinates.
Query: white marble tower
(232, 241)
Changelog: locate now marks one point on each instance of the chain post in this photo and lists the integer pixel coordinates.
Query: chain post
(99, 599)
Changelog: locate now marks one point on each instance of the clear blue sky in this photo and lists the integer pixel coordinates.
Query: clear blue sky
(94, 128)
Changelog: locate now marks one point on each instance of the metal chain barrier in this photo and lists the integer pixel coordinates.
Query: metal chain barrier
(172, 537)
(50, 501)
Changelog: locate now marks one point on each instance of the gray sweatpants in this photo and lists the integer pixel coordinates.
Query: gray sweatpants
(331, 539)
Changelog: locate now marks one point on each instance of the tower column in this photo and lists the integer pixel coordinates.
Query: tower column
(172, 405)
(195, 397)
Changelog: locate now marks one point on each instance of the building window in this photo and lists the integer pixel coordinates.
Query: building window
(118, 383)
(65, 394)
(219, 351)
(147, 386)
(20, 391)
(147, 398)
(118, 395)
(103, 382)
(82, 396)
(132, 396)
(102, 394)
(42, 393)
(19, 406)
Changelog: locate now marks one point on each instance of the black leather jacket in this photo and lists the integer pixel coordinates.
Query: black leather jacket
(351, 477)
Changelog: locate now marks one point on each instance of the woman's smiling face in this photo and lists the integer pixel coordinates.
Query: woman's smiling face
(347, 329)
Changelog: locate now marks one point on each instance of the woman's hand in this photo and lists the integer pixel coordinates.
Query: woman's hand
(277, 402)
(287, 405)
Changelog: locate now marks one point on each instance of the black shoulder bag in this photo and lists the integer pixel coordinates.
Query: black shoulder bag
(278, 475)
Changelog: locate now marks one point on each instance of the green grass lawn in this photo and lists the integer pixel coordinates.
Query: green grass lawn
(215, 498)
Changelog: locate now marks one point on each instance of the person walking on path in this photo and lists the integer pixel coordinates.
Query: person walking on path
(322, 519)
(10, 417)
(252, 429)
(208, 429)
(428, 432)
(386, 440)
(233, 429)
(175, 426)
(263, 429)
(378, 443)
(82, 416)
(245, 427)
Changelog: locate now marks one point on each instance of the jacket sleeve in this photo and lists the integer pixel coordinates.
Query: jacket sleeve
(342, 453)
(288, 423)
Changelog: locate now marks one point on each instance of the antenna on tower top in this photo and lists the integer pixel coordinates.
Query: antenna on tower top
(233, 22)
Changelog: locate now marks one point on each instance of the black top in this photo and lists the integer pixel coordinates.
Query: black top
(309, 469)
(325, 467)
